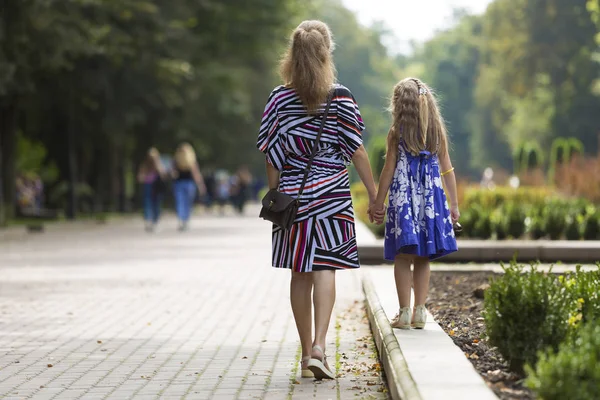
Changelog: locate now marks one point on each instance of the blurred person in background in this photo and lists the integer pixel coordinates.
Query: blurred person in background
(187, 182)
(240, 187)
(322, 239)
(222, 189)
(152, 175)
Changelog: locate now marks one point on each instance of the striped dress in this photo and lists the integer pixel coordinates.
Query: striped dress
(323, 235)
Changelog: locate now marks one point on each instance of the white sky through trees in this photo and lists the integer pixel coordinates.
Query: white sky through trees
(411, 20)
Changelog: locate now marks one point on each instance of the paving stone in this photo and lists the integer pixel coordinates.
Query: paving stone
(120, 313)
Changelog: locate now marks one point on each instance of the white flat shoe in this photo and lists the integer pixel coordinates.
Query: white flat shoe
(402, 319)
(318, 367)
(420, 317)
(306, 373)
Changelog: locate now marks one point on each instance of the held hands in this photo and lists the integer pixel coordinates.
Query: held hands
(376, 212)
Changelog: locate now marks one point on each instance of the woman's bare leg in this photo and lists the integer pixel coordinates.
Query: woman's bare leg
(300, 296)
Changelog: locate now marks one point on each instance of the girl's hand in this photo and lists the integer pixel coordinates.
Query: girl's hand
(454, 213)
(376, 212)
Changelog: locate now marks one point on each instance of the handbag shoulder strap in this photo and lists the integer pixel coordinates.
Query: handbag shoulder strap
(313, 153)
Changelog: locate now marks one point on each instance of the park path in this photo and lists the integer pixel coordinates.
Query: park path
(111, 312)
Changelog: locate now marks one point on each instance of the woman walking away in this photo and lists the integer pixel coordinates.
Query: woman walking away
(322, 238)
(419, 224)
(152, 176)
(188, 181)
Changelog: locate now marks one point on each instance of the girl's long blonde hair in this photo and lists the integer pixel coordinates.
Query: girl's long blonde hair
(307, 66)
(185, 157)
(416, 119)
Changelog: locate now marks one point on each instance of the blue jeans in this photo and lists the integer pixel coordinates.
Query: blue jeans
(185, 193)
(151, 203)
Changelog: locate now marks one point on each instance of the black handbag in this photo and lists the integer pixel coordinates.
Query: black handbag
(281, 208)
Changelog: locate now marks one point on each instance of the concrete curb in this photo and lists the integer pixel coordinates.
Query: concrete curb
(400, 381)
(485, 251)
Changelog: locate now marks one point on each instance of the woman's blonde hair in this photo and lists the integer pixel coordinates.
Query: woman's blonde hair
(307, 66)
(152, 161)
(185, 157)
(416, 119)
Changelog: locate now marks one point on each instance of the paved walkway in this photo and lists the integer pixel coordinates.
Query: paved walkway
(110, 312)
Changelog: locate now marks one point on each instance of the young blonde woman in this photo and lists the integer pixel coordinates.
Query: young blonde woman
(187, 182)
(322, 239)
(419, 224)
(152, 175)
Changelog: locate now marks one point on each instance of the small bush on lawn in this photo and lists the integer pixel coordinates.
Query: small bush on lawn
(524, 314)
(573, 372)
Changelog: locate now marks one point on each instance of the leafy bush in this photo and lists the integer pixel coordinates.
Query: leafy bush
(583, 286)
(498, 221)
(591, 226)
(571, 373)
(515, 220)
(483, 225)
(573, 227)
(554, 221)
(536, 227)
(524, 314)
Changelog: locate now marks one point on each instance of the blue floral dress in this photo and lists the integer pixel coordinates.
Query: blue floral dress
(418, 216)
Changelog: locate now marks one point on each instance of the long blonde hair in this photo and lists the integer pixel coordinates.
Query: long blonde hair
(416, 118)
(185, 157)
(152, 162)
(307, 66)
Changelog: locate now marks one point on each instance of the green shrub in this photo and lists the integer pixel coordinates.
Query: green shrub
(468, 219)
(483, 226)
(524, 314)
(515, 220)
(573, 227)
(583, 289)
(536, 227)
(554, 221)
(498, 222)
(571, 373)
(591, 226)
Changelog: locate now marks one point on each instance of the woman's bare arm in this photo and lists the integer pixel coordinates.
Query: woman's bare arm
(363, 167)
(199, 179)
(272, 175)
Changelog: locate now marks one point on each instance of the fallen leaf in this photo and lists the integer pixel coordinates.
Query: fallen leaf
(296, 382)
(41, 387)
(475, 340)
(451, 333)
(50, 365)
(244, 358)
(99, 341)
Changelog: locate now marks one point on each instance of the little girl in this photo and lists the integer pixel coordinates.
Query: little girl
(419, 224)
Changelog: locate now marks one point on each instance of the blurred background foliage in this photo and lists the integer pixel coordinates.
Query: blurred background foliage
(87, 86)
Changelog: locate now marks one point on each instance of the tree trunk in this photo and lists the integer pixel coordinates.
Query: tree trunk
(8, 159)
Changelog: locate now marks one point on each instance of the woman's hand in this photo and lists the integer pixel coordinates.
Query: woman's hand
(454, 213)
(376, 212)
